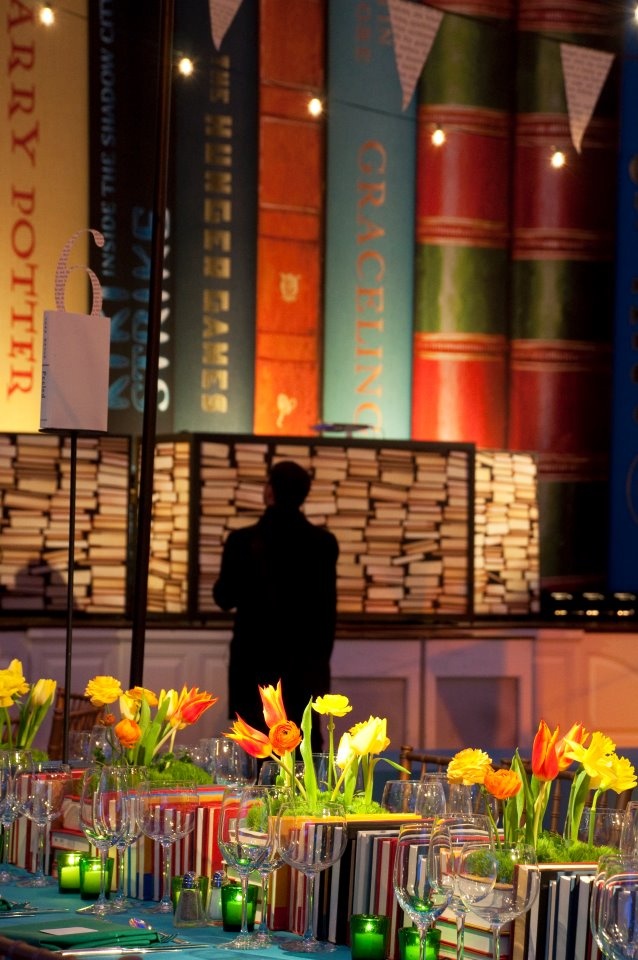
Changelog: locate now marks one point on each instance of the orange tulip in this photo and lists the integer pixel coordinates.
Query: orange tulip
(575, 734)
(285, 736)
(251, 740)
(192, 703)
(544, 757)
(128, 732)
(274, 710)
(502, 784)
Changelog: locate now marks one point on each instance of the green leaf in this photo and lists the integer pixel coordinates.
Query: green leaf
(305, 749)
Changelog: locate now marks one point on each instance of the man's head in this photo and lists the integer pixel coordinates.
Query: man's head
(288, 485)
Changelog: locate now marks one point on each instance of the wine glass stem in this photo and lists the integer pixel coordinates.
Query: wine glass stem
(121, 853)
(244, 905)
(263, 923)
(166, 881)
(460, 936)
(497, 943)
(39, 861)
(102, 896)
(309, 933)
(423, 940)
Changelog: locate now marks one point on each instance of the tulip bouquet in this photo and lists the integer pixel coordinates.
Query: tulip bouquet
(358, 749)
(139, 735)
(526, 795)
(33, 703)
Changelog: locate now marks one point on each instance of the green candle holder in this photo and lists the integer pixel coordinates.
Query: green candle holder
(368, 936)
(409, 944)
(68, 864)
(231, 906)
(90, 877)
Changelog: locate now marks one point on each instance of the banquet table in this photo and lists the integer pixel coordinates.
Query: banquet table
(207, 938)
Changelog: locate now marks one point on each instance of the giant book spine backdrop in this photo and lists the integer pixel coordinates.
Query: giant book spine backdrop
(214, 216)
(122, 99)
(461, 255)
(369, 225)
(290, 217)
(623, 574)
(562, 292)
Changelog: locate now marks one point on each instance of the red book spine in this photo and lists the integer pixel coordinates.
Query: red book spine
(290, 219)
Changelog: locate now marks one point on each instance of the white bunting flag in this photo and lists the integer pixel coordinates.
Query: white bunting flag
(584, 73)
(414, 28)
(222, 13)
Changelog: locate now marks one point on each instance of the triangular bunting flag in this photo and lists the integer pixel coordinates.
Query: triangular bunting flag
(221, 17)
(414, 28)
(584, 73)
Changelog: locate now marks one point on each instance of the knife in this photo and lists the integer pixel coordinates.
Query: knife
(130, 951)
(9, 914)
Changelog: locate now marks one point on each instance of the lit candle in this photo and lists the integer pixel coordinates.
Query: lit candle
(368, 935)
(231, 906)
(90, 869)
(409, 948)
(68, 872)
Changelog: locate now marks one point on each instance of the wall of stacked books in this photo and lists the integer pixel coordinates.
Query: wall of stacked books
(34, 523)
(424, 529)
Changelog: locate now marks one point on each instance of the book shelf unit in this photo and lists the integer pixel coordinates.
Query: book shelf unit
(34, 523)
(424, 529)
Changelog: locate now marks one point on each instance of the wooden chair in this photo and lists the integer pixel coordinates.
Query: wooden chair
(82, 716)
(19, 950)
(430, 762)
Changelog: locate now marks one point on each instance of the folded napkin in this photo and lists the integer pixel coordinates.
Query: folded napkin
(79, 932)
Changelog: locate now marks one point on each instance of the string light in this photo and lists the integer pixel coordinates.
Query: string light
(438, 136)
(186, 67)
(47, 16)
(315, 107)
(558, 159)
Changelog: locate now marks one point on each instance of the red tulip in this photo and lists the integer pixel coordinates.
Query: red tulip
(544, 757)
(274, 710)
(253, 741)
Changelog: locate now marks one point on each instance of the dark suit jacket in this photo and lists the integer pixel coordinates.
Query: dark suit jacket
(280, 577)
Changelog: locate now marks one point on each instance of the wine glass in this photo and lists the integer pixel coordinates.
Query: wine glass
(40, 790)
(104, 819)
(137, 776)
(430, 800)
(310, 841)
(400, 796)
(273, 774)
(418, 884)
(617, 928)
(245, 838)
(10, 762)
(516, 888)
(462, 833)
(167, 810)
(232, 766)
(609, 864)
(629, 832)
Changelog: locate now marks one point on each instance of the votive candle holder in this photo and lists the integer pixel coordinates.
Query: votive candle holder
(368, 936)
(68, 863)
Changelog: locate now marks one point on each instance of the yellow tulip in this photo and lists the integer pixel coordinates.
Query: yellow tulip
(42, 692)
(345, 753)
(369, 737)
(12, 684)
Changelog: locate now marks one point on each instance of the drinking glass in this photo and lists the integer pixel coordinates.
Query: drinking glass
(40, 790)
(516, 888)
(272, 773)
(137, 776)
(608, 865)
(601, 826)
(11, 761)
(417, 880)
(245, 839)
(104, 819)
(232, 765)
(462, 832)
(430, 800)
(617, 927)
(167, 810)
(310, 841)
(629, 832)
(400, 796)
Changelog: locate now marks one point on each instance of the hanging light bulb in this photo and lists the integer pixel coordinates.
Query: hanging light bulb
(438, 136)
(558, 159)
(47, 16)
(186, 66)
(315, 107)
